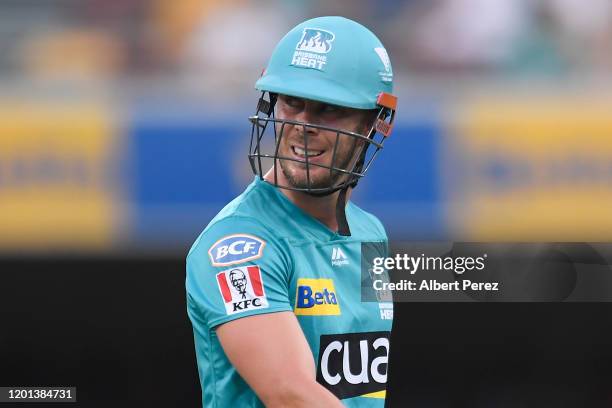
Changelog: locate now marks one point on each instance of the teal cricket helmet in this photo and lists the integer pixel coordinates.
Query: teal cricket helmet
(330, 59)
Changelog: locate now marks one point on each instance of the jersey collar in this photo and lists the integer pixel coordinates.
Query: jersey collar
(307, 221)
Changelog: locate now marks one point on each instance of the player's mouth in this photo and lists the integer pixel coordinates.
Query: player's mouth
(303, 153)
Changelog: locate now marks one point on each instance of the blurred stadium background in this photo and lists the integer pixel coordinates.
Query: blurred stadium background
(123, 131)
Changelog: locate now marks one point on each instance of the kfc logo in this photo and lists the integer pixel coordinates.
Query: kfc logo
(242, 289)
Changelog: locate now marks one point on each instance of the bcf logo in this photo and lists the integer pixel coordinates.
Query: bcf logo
(236, 248)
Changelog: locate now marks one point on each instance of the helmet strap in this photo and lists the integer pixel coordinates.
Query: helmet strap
(343, 226)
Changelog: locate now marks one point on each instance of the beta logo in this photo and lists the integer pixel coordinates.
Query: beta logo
(354, 364)
(236, 248)
(316, 297)
(242, 289)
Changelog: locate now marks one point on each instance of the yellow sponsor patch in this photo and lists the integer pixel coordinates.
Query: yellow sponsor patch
(378, 394)
(316, 297)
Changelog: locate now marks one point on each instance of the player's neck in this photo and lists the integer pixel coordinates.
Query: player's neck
(321, 208)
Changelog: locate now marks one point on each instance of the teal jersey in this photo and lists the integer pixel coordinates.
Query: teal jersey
(262, 254)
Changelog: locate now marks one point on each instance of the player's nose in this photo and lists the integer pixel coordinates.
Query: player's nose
(307, 115)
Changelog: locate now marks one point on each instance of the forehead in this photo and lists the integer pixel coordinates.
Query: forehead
(312, 102)
(319, 104)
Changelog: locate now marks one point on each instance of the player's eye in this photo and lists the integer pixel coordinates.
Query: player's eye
(293, 102)
(330, 108)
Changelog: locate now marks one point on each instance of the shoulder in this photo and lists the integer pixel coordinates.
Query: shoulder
(237, 267)
(239, 217)
(235, 239)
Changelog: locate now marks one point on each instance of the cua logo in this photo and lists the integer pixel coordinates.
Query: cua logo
(354, 364)
(234, 249)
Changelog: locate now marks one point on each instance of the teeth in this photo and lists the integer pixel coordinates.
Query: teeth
(304, 153)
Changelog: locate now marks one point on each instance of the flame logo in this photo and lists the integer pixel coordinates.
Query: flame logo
(315, 40)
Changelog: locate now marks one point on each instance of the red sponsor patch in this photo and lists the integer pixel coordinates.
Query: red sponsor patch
(242, 289)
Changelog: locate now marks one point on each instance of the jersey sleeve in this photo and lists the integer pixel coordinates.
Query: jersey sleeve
(237, 268)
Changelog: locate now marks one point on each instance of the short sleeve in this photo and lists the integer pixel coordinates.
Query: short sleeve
(237, 268)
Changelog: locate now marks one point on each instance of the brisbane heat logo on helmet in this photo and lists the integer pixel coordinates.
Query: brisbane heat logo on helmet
(316, 40)
(311, 49)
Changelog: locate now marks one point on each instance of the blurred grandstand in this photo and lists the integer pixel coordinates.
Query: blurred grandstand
(123, 123)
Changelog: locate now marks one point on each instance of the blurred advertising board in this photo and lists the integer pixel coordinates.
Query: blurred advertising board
(58, 187)
(529, 169)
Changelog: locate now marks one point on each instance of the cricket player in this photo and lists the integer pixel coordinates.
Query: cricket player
(274, 281)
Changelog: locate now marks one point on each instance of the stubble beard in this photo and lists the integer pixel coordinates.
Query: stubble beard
(297, 173)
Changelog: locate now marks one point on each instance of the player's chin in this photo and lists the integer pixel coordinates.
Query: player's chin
(317, 179)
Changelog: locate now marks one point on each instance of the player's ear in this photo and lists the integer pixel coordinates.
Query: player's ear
(368, 121)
